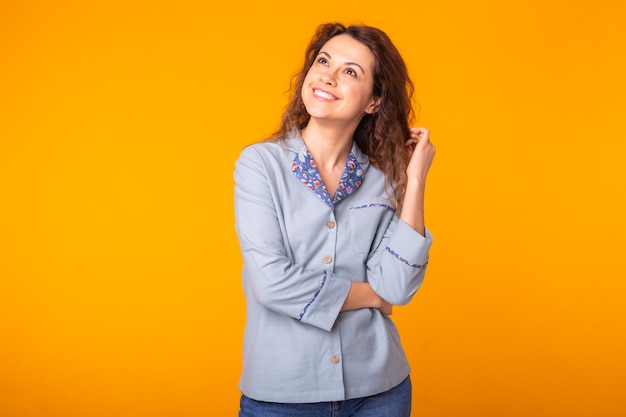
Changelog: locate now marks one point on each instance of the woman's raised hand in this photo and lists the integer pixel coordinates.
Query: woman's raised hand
(422, 153)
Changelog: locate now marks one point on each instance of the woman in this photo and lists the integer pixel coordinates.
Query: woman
(329, 216)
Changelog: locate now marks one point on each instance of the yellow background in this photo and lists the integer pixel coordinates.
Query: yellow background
(120, 121)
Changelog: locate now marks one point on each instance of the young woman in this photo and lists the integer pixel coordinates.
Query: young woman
(330, 221)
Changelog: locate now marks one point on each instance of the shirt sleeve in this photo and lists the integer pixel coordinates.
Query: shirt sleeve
(396, 267)
(270, 276)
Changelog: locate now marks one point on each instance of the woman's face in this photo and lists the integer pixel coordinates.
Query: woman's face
(339, 85)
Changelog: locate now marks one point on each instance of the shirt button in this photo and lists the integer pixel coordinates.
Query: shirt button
(330, 224)
(327, 259)
(334, 359)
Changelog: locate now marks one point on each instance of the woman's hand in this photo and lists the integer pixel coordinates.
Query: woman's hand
(422, 153)
(386, 308)
(361, 295)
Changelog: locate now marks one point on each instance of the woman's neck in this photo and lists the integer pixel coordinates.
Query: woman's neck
(328, 146)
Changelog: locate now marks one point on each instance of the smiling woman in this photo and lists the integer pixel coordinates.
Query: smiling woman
(329, 215)
(120, 285)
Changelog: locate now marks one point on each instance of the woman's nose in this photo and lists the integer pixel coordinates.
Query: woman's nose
(328, 78)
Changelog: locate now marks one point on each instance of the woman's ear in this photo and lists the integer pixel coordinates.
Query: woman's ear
(374, 105)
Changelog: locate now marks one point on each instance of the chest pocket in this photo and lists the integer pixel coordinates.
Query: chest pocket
(368, 221)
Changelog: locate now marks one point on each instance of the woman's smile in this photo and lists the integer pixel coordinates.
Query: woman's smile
(323, 95)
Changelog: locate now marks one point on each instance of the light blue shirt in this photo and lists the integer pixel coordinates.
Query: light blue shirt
(301, 250)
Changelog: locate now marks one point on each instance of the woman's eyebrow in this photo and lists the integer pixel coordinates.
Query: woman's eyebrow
(347, 63)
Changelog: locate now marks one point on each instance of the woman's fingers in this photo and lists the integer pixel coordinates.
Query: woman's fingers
(421, 151)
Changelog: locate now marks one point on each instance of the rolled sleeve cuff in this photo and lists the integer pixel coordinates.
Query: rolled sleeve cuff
(409, 246)
(324, 309)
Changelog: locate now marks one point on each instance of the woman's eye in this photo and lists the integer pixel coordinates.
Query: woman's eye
(351, 72)
(322, 60)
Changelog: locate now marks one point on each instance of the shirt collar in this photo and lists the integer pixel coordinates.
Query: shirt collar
(306, 171)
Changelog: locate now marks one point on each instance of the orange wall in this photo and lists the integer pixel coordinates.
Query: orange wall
(120, 122)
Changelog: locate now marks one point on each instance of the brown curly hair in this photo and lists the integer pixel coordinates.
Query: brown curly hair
(381, 135)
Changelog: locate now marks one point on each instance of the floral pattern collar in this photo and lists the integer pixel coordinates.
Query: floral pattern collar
(304, 167)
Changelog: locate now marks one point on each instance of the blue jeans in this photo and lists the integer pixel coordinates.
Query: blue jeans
(393, 403)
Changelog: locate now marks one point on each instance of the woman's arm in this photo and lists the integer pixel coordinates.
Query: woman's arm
(270, 276)
(397, 268)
